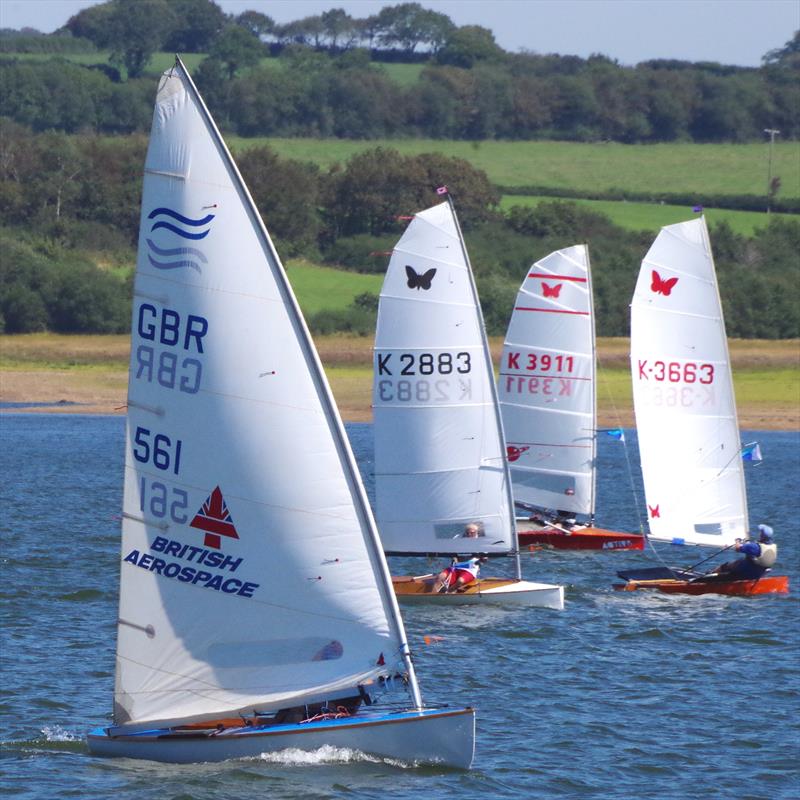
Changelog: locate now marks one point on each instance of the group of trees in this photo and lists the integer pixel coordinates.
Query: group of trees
(70, 202)
(325, 79)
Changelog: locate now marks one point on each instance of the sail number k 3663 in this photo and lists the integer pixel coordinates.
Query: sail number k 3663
(675, 371)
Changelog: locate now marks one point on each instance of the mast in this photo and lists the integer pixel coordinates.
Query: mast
(493, 389)
(594, 385)
(347, 459)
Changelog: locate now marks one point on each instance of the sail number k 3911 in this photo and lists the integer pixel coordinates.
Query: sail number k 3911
(675, 371)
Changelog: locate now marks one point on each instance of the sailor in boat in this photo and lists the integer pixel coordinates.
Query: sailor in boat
(460, 573)
(758, 557)
(565, 519)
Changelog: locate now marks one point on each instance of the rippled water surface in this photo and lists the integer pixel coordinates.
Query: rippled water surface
(620, 695)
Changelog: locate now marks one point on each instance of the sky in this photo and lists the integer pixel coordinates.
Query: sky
(728, 31)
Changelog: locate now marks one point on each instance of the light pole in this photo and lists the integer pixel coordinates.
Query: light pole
(772, 134)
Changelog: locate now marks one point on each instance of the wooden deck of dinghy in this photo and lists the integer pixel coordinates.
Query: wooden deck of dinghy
(578, 538)
(406, 585)
(779, 584)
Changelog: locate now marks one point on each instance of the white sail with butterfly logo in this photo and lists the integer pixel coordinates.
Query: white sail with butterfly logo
(683, 394)
(439, 448)
(547, 385)
(242, 628)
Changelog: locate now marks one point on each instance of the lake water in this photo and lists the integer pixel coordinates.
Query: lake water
(622, 694)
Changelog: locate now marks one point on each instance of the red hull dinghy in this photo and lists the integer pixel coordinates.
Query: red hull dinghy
(676, 581)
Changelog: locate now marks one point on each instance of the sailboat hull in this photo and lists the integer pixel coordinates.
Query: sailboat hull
(778, 584)
(443, 737)
(579, 538)
(494, 591)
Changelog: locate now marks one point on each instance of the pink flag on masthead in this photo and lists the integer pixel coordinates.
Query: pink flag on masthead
(441, 190)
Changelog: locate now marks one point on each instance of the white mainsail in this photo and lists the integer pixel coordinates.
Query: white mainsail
(252, 575)
(683, 394)
(439, 451)
(547, 385)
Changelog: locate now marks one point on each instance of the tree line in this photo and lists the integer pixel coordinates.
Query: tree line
(326, 78)
(71, 203)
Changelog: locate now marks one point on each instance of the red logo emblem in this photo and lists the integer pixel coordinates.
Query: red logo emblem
(655, 511)
(215, 519)
(513, 453)
(551, 291)
(660, 286)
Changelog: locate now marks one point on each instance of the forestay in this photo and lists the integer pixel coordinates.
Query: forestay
(683, 394)
(547, 385)
(438, 443)
(251, 572)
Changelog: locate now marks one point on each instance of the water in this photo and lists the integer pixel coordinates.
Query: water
(621, 694)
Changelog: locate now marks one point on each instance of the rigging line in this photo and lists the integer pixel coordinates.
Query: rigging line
(617, 417)
(735, 456)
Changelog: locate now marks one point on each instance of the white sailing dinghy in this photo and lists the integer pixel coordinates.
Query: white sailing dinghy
(548, 400)
(243, 629)
(686, 410)
(439, 463)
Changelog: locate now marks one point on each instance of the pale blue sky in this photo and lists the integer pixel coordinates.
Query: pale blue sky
(729, 31)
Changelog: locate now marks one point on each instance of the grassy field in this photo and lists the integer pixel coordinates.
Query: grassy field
(91, 371)
(323, 288)
(727, 169)
(652, 216)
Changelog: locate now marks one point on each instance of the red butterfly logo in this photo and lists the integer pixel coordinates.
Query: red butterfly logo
(655, 511)
(551, 291)
(514, 453)
(660, 286)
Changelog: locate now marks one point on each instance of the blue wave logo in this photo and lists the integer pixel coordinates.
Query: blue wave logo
(177, 257)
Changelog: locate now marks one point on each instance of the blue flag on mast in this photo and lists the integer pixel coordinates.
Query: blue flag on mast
(751, 452)
(617, 433)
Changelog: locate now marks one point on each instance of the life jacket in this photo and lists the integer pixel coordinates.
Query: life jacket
(473, 566)
(768, 555)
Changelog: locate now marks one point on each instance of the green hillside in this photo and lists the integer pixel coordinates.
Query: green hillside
(705, 169)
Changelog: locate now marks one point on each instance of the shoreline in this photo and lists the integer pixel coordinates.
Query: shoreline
(45, 373)
(104, 392)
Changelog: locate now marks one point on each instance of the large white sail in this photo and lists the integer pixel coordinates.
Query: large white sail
(439, 452)
(251, 571)
(683, 394)
(547, 385)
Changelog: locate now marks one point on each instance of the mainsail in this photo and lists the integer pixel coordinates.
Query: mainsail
(252, 575)
(439, 452)
(547, 385)
(683, 394)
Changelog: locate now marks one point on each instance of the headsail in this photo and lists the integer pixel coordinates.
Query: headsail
(683, 394)
(233, 594)
(547, 385)
(439, 452)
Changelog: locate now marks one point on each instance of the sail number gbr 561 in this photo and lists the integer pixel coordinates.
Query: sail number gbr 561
(423, 377)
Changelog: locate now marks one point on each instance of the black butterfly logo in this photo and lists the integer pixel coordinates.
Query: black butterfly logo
(419, 281)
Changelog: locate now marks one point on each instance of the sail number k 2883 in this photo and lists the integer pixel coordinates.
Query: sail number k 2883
(675, 371)
(409, 364)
